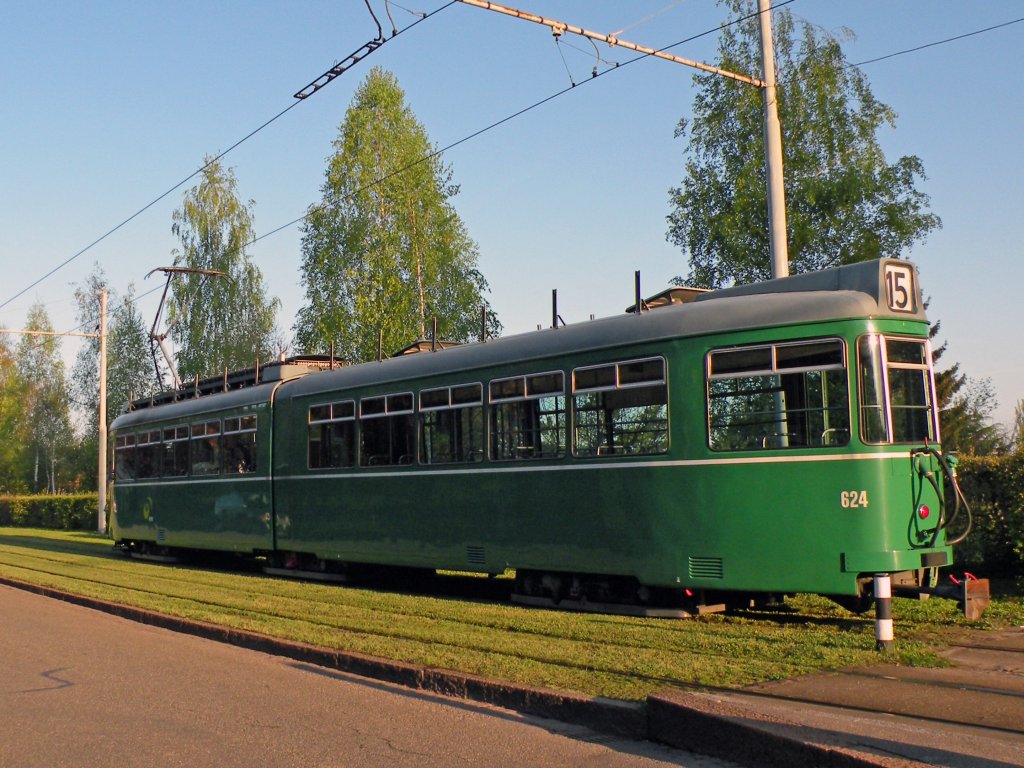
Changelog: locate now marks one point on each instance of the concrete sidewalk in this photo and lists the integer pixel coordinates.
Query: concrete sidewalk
(970, 715)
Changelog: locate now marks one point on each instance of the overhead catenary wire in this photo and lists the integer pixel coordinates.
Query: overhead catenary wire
(508, 118)
(520, 112)
(192, 175)
(938, 42)
(553, 96)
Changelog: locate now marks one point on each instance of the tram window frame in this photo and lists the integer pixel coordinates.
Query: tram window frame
(612, 408)
(124, 457)
(528, 419)
(175, 449)
(204, 449)
(239, 444)
(331, 435)
(884, 420)
(148, 447)
(387, 430)
(452, 424)
(778, 395)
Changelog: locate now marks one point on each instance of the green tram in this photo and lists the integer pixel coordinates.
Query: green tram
(716, 447)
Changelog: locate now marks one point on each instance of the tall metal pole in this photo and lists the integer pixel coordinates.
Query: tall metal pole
(773, 147)
(101, 477)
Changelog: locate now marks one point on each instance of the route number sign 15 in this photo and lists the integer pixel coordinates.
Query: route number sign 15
(900, 291)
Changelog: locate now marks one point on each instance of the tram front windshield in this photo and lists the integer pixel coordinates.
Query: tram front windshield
(897, 403)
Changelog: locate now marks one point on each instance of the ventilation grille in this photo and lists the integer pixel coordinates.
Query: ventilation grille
(706, 568)
(161, 534)
(475, 556)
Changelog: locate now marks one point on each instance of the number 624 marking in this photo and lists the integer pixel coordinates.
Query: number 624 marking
(853, 499)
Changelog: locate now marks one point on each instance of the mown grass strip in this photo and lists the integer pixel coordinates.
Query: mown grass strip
(612, 656)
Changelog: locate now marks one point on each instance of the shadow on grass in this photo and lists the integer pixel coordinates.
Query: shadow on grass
(91, 544)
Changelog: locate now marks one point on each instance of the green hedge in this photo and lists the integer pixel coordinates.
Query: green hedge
(71, 512)
(994, 487)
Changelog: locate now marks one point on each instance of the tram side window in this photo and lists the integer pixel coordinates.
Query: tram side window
(147, 454)
(621, 408)
(124, 457)
(528, 417)
(387, 430)
(901, 367)
(332, 435)
(789, 395)
(175, 463)
(452, 424)
(239, 444)
(204, 448)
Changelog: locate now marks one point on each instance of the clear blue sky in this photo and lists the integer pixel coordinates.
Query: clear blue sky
(108, 105)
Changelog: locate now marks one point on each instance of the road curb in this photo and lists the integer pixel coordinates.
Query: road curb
(700, 724)
(673, 717)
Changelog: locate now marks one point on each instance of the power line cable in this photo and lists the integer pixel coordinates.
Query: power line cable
(146, 207)
(471, 136)
(508, 118)
(196, 172)
(535, 105)
(116, 310)
(938, 42)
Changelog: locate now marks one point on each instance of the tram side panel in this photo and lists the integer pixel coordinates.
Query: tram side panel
(736, 502)
(590, 516)
(780, 514)
(201, 482)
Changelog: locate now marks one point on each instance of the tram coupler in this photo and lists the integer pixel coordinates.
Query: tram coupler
(971, 593)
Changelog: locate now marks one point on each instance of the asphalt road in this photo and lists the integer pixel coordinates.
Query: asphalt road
(82, 688)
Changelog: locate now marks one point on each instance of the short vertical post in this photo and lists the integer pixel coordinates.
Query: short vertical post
(883, 613)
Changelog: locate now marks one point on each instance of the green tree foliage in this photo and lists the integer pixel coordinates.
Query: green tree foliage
(130, 369)
(85, 379)
(966, 420)
(965, 408)
(1017, 428)
(385, 251)
(845, 203)
(219, 322)
(12, 422)
(45, 403)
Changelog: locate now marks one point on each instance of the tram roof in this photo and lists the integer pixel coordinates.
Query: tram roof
(853, 291)
(188, 406)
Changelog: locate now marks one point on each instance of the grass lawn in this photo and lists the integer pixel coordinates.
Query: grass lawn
(613, 656)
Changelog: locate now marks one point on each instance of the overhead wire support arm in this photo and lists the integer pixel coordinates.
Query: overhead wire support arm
(779, 248)
(560, 27)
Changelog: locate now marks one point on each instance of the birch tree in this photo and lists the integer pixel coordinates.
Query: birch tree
(385, 251)
(219, 322)
(845, 202)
